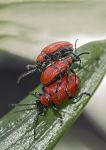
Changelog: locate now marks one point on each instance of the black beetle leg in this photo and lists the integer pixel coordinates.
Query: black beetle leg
(77, 99)
(56, 111)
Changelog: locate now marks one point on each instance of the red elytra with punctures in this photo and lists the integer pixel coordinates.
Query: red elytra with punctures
(57, 94)
(52, 48)
(52, 71)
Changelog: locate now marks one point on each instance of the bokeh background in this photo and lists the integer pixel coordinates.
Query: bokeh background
(27, 26)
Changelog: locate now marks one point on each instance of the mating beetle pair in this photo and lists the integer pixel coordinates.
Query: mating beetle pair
(52, 53)
(57, 76)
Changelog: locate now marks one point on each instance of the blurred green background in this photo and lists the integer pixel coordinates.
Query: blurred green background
(27, 26)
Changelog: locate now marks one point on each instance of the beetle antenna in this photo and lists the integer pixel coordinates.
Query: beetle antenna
(25, 74)
(75, 45)
(28, 67)
(80, 55)
(33, 104)
(83, 53)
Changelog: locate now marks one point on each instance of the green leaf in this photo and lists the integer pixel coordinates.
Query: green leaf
(16, 129)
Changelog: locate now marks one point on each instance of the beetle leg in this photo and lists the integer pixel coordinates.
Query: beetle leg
(58, 85)
(32, 104)
(23, 110)
(59, 81)
(74, 74)
(42, 113)
(26, 109)
(67, 80)
(57, 113)
(77, 99)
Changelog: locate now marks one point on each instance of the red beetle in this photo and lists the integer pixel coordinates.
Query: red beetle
(55, 51)
(53, 96)
(48, 55)
(56, 70)
(58, 94)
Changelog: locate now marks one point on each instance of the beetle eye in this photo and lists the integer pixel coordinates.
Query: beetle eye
(58, 54)
(54, 57)
(63, 51)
